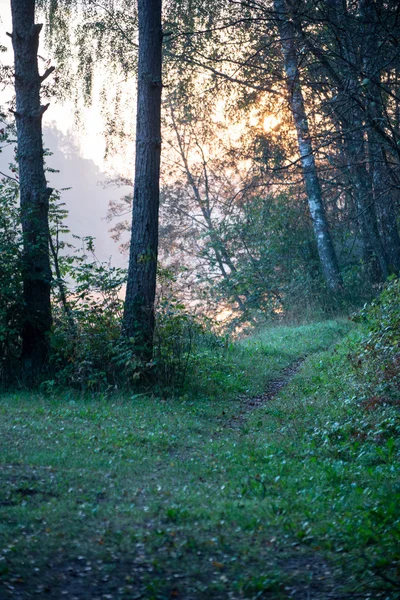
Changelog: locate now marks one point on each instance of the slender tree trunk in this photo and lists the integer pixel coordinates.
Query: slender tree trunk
(221, 254)
(385, 204)
(356, 52)
(351, 119)
(34, 192)
(354, 192)
(383, 192)
(363, 191)
(325, 246)
(353, 131)
(138, 322)
(62, 289)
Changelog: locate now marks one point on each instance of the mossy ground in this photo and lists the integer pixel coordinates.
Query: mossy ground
(142, 497)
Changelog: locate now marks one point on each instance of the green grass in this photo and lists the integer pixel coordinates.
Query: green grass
(223, 372)
(137, 497)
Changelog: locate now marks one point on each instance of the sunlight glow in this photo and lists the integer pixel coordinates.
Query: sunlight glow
(254, 118)
(219, 114)
(271, 122)
(224, 315)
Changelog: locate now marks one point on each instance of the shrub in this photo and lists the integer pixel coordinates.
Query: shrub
(88, 350)
(11, 306)
(377, 358)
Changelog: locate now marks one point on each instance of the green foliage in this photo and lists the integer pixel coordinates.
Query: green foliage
(376, 360)
(11, 305)
(177, 336)
(296, 496)
(277, 271)
(277, 265)
(355, 445)
(87, 350)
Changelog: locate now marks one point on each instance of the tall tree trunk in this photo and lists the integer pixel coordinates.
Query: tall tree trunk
(354, 192)
(381, 176)
(384, 200)
(34, 192)
(354, 130)
(351, 119)
(363, 190)
(138, 322)
(325, 246)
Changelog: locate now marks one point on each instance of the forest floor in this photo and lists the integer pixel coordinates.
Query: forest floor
(278, 492)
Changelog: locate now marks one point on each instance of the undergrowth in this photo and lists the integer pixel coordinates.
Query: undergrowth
(191, 496)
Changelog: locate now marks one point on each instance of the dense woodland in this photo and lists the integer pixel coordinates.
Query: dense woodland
(242, 374)
(278, 191)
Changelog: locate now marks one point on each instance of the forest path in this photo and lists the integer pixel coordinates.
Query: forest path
(274, 387)
(125, 498)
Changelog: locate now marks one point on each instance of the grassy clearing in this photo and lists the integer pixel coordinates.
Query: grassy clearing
(146, 498)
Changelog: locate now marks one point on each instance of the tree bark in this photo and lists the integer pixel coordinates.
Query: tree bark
(325, 246)
(351, 118)
(384, 202)
(138, 321)
(363, 190)
(34, 193)
(383, 192)
(352, 122)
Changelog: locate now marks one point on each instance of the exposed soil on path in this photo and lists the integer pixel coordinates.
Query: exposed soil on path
(275, 386)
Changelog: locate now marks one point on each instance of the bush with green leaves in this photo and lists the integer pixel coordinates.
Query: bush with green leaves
(89, 352)
(377, 358)
(177, 335)
(11, 305)
(277, 268)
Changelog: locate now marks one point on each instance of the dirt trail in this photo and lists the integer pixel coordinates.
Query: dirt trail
(274, 387)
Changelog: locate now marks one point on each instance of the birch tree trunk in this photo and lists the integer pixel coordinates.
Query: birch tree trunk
(34, 193)
(325, 246)
(138, 321)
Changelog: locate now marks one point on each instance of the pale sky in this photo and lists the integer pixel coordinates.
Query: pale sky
(91, 144)
(79, 156)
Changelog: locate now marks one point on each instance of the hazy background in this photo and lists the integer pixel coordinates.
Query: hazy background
(79, 157)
